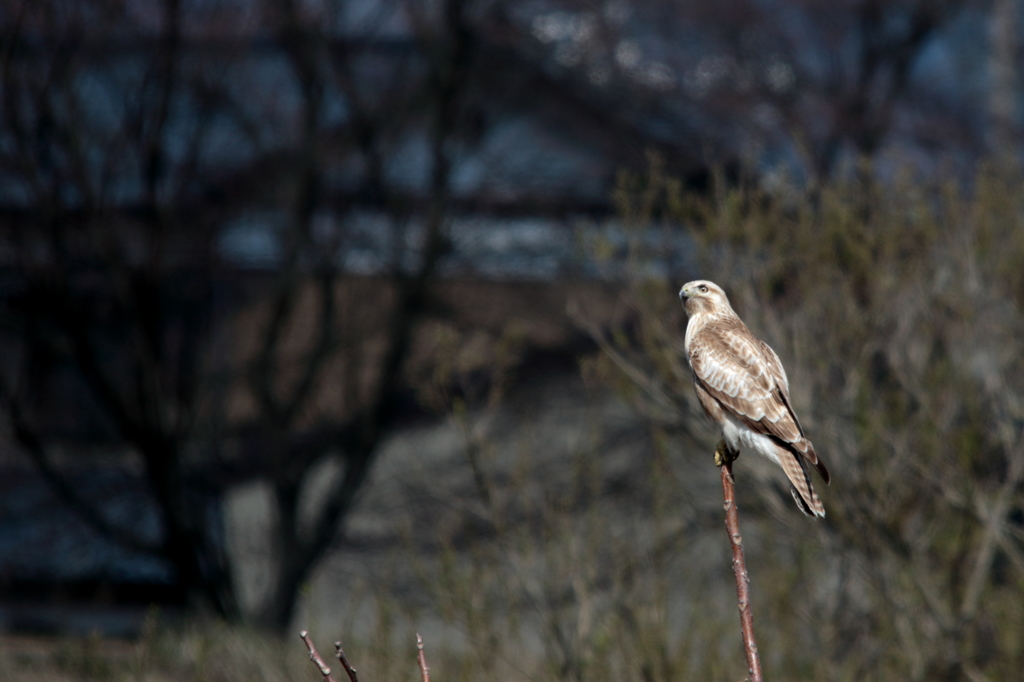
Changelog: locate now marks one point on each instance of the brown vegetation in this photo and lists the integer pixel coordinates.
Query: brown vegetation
(897, 310)
(587, 545)
(544, 529)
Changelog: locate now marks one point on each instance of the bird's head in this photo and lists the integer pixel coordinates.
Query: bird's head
(702, 296)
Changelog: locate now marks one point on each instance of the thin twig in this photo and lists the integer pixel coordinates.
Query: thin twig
(422, 658)
(340, 653)
(30, 441)
(315, 657)
(653, 386)
(739, 564)
(994, 519)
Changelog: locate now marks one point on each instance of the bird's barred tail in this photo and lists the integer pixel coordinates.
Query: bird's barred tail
(800, 478)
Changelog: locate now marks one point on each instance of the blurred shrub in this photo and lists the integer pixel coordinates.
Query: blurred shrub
(896, 307)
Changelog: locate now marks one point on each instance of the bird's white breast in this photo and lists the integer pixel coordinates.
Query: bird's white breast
(694, 323)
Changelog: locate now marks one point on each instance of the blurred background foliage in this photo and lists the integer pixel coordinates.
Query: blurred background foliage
(605, 558)
(896, 313)
(361, 317)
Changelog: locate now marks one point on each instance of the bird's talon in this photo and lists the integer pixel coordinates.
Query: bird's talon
(723, 455)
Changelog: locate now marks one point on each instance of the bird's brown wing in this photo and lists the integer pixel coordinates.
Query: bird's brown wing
(728, 362)
(735, 368)
(778, 372)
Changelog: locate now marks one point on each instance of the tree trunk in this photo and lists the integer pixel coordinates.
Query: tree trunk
(1002, 133)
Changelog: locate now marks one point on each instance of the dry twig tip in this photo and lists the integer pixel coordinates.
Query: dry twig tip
(422, 659)
(340, 653)
(315, 657)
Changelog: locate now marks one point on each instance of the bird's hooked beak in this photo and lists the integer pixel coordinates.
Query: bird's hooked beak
(684, 293)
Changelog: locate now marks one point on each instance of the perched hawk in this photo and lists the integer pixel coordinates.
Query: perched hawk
(742, 386)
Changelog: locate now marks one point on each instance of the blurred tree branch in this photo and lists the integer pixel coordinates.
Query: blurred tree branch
(131, 296)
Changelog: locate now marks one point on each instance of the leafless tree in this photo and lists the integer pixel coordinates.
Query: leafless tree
(139, 141)
(121, 288)
(753, 79)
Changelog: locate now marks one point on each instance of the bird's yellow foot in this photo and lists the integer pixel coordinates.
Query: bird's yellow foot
(724, 455)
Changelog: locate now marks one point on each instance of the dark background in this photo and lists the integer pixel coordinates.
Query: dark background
(307, 307)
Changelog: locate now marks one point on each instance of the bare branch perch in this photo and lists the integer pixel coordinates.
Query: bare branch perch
(315, 657)
(723, 458)
(422, 658)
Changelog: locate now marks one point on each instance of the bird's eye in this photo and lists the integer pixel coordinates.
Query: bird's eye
(703, 289)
